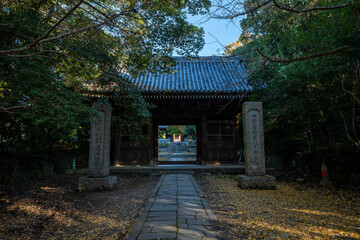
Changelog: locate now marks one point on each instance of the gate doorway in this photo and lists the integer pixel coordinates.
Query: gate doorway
(177, 144)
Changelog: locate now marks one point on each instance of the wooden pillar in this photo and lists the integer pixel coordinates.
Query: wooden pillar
(151, 144)
(203, 140)
(236, 139)
(155, 148)
(198, 141)
(117, 144)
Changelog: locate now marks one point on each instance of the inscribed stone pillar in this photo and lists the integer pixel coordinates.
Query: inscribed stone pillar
(255, 170)
(254, 139)
(98, 178)
(99, 155)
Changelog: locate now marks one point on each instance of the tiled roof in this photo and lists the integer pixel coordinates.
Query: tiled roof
(202, 75)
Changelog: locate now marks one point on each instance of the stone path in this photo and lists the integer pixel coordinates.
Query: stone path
(176, 209)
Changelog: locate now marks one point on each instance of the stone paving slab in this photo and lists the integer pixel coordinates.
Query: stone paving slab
(176, 210)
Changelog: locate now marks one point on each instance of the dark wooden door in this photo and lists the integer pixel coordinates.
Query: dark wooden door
(220, 142)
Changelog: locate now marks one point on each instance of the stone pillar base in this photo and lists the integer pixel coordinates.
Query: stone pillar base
(261, 182)
(97, 184)
(326, 183)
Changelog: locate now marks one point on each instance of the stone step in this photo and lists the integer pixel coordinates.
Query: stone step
(177, 156)
(231, 169)
(169, 162)
(176, 172)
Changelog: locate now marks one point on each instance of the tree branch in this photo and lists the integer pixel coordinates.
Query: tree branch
(41, 39)
(107, 17)
(251, 10)
(316, 55)
(282, 7)
(58, 23)
(246, 92)
(276, 4)
(357, 17)
(28, 46)
(30, 54)
(91, 67)
(9, 109)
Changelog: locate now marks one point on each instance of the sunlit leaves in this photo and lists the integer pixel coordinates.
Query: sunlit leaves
(290, 212)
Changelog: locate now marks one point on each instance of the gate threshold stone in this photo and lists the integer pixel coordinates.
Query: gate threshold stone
(177, 209)
(231, 169)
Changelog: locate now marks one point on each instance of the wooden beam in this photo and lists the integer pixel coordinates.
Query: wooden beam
(117, 145)
(151, 136)
(203, 140)
(236, 138)
(155, 142)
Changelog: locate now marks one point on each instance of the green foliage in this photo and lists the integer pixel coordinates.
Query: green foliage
(43, 108)
(190, 131)
(164, 144)
(134, 111)
(161, 134)
(174, 129)
(311, 107)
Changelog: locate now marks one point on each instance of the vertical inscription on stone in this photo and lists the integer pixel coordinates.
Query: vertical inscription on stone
(253, 139)
(98, 136)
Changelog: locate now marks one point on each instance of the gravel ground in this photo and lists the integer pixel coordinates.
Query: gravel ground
(52, 208)
(293, 211)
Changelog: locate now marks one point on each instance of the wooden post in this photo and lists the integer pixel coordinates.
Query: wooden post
(203, 140)
(117, 144)
(155, 143)
(236, 139)
(151, 144)
(356, 16)
(198, 141)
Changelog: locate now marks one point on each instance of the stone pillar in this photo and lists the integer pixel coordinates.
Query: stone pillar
(255, 170)
(325, 182)
(253, 139)
(99, 156)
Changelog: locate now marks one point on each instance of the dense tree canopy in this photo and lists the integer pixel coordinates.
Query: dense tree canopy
(303, 60)
(190, 131)
(49, 49)
(174, 129)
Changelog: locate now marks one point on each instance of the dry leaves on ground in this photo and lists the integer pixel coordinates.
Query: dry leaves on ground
(53, 209)
(311, 212)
